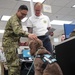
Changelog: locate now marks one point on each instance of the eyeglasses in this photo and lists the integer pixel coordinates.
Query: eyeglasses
(23, 14)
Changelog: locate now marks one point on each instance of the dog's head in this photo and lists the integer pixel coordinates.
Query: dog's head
(35, 45)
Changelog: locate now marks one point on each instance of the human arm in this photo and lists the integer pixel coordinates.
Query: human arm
(30, 29)
(17, 29)
(29, 25)
(49, 27)
(51, 33)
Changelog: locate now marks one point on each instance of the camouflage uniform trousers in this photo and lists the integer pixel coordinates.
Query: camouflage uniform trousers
(12, 59)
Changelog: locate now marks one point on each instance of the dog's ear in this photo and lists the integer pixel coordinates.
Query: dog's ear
(35, 45)
(32, 47)
(39, 43)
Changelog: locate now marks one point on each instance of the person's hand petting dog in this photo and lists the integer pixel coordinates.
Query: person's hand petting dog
(32, 36)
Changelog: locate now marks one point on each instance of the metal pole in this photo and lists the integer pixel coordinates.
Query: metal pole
(32, 7)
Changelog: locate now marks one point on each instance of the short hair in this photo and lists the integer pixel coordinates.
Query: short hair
(38, 3)
(23, 7)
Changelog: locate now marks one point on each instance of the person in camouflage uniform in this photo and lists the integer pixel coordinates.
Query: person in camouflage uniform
(11, 39)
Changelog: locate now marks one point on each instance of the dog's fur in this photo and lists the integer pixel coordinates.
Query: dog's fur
(36, 46)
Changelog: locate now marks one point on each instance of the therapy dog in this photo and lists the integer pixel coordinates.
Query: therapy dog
(43, 67)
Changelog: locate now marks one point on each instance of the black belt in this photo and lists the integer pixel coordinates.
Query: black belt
(42, 36)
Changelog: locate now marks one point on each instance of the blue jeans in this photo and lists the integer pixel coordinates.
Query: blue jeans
(46, 42)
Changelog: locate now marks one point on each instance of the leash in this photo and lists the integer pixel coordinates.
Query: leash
(32, 62)
(47, 58)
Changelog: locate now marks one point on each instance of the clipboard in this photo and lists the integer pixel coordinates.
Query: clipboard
(50, 30)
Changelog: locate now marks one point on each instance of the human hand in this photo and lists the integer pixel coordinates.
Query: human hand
(32, 36)
(51, 33)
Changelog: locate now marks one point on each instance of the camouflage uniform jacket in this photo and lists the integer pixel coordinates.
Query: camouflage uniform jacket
(13, 32)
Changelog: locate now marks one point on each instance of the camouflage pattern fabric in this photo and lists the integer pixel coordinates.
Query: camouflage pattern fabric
(13, 62)
(10, 42)
(13, 32)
